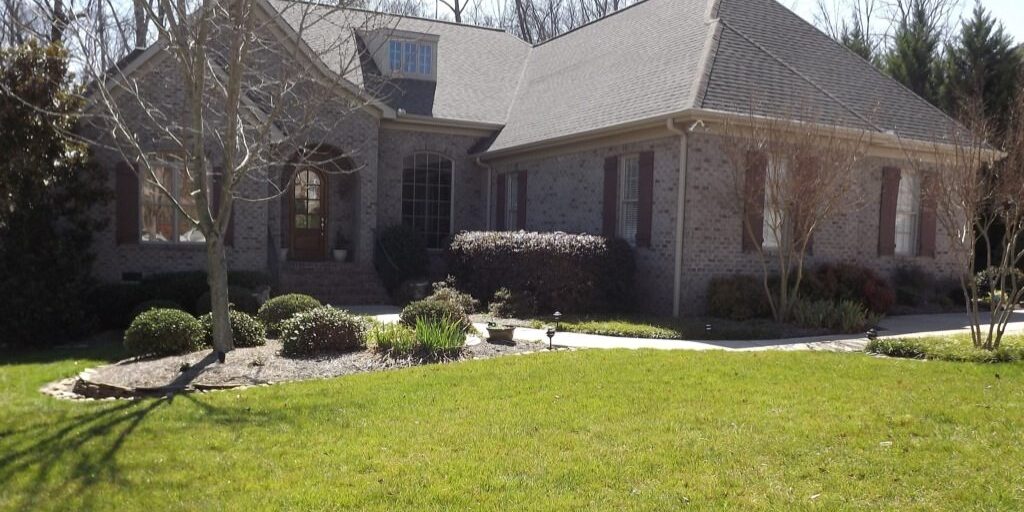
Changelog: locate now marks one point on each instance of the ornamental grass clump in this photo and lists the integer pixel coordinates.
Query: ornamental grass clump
(161, 332)
(394, 339)
(323, 330)
(440, 339)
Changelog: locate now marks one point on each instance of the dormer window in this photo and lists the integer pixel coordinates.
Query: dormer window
(410, 58)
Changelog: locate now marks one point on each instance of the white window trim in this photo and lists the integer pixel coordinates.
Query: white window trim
(770, 239)
(913, 213)
(620, 227)
(176, 174)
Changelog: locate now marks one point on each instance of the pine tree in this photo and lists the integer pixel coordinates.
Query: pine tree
(913, 59)
(981, 65)
(857, 41)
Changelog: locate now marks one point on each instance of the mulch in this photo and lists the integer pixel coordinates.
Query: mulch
(246, 367)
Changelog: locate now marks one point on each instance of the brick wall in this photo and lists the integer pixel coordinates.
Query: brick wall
(565, 193)
(714, 227)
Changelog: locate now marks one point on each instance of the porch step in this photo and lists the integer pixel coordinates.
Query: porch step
(333, 282)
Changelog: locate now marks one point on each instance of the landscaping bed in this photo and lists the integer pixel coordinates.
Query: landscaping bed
(694, 329)
(956, 347)
(247, 367)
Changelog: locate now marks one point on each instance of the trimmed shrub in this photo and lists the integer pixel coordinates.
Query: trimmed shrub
(278, 309)
(913, 285)
(448, 292)
(737, 298)
(992, 273)
(570, 273)
(845, 281)
(155, 304)
(321, 330)
(240, 299)
(435, 311)
(163, 332)
(440, 339)
(394, 339)
(400, 254)
(246, 331)
(897, 347)
(506, 304)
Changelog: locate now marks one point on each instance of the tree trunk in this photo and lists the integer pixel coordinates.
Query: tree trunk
(141, 24)
(217, 278)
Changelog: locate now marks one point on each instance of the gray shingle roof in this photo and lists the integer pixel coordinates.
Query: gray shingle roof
(478, 68)
(653, 59)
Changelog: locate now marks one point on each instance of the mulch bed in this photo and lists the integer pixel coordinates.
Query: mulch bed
(199, 371)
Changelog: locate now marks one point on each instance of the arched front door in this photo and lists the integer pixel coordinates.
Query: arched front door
(309, 216)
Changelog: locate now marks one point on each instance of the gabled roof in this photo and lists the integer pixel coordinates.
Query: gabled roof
(651, 60)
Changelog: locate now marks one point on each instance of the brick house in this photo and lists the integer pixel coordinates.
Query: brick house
(605, 129)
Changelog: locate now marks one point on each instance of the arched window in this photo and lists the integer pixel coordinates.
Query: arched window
(427, 196)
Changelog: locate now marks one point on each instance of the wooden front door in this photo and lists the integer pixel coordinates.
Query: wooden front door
(309, 216)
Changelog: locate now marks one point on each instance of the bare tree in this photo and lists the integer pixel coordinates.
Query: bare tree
(234, 100)
(972, 192)
(790, 175)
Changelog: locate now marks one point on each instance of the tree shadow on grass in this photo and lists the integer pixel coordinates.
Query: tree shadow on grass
(85, 444)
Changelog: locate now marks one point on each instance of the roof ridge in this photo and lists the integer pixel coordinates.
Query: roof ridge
(407, 16)
(589, 23)
(712, 41)
(793, 70)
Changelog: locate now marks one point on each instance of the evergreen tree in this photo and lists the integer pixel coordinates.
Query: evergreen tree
(981, 65)
(913, 59)
(47, 193)
(856, 39)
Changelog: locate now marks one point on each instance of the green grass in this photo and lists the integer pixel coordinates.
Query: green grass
(673, 328)
(585, 430)
(949, 348)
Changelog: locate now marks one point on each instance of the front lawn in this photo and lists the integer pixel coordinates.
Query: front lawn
(957, 347)
(597, 430)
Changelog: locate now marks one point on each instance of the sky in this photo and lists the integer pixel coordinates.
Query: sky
(1010, 12)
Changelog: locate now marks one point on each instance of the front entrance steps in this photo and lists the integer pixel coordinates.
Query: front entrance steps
(332, 282)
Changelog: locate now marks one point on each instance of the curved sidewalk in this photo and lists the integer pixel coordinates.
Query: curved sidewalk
(892, 327)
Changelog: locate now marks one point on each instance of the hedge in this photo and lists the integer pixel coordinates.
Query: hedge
(565, 272)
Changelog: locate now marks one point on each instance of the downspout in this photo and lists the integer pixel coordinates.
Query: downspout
(670, 123)
(487, 213)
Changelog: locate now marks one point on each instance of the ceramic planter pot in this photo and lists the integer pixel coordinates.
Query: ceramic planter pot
(501, 333)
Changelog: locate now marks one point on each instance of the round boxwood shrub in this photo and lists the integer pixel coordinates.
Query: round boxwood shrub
(435, 311)
(278, 309)
(155, 304)
(324, 329)
(241, 299)
(246, 331)
(163, 332)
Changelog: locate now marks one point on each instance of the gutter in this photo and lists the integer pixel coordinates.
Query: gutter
(670, 123)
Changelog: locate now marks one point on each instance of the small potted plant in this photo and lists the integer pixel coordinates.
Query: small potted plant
(500, 333)
(340, 247)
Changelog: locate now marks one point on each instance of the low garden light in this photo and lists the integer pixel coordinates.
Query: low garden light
(872, 334)
(707, 329)
(558, 316)
(551, 337)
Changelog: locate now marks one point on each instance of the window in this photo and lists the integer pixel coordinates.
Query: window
(307, 200)
(773, 221)
(427, 197)
(161, 221)
(629, 197)
(512, 201)
(907, 209)
(395, 55)
(410, 57)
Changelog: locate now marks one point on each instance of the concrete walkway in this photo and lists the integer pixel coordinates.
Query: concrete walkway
(891, 327)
